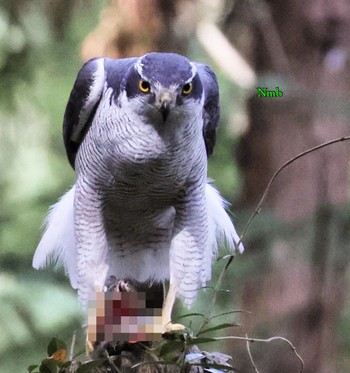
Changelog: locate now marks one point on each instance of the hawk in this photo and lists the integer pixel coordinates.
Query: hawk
(138, 133)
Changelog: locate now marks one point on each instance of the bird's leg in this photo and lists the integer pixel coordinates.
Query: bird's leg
(90, 345)
(168, 304)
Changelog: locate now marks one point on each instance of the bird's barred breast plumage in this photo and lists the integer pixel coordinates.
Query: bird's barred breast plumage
(141, 207)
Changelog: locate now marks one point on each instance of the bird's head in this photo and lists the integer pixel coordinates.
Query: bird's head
(163, 85)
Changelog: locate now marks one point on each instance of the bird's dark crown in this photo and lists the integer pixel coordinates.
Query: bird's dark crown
(165, 68)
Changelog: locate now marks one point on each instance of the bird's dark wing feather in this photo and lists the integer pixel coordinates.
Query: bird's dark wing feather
(211, 110)
(94, 77)
(82, 104)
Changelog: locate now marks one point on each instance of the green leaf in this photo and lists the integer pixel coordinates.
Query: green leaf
(218, 327)
(207, 287)
(189, 315)
(171, 346)
(213, 288)
(31, 368)
(55, 345)
(87, 367)
(49, 366)
(223, 257)
(198, 341)
(227, 313)
(225, 290)
(229, 262)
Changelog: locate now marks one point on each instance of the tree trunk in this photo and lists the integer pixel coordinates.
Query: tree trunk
(133, 28)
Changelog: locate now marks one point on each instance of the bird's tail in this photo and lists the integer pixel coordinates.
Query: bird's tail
(221, 228)
(57, 244)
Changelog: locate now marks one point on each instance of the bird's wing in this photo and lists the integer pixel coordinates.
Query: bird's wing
(57, 244)
(220, 224)
(211, 109)
(82, 104)
(95, 76)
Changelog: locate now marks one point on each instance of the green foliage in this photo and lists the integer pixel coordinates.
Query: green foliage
(37, 72)
(33, 166)
(56, 360)
(178, 349)
(31, 310)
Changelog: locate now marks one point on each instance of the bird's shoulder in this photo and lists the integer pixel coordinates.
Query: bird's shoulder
(94, 77)
(211, 106)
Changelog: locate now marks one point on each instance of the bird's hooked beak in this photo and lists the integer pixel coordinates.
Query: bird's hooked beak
(164, 103)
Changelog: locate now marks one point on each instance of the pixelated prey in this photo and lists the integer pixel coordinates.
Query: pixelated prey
(138, 133)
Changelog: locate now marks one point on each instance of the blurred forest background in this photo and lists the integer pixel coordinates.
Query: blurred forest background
(294, 275)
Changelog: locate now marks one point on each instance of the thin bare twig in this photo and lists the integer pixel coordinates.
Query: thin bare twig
(279, 170)
(72, 346)
(208, 314)
(268, 340)
(250, 355)
(112, 365)
(277, 338)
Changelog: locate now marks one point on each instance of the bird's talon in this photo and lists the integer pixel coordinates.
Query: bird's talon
(89, 347)
(114, 285)
(172, 328)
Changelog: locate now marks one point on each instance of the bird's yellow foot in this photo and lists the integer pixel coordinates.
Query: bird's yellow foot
(89, 346)
(172, 328)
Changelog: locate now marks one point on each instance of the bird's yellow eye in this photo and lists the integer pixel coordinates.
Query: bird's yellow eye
(144, 86)
(187, 89)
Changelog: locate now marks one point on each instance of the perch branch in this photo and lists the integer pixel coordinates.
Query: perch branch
(268, 340)
(251, 340)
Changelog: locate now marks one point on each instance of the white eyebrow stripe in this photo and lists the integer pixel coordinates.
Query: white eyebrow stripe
(139, 66)
(194, 71)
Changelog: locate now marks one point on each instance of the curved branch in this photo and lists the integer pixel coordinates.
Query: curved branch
(274, 176)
